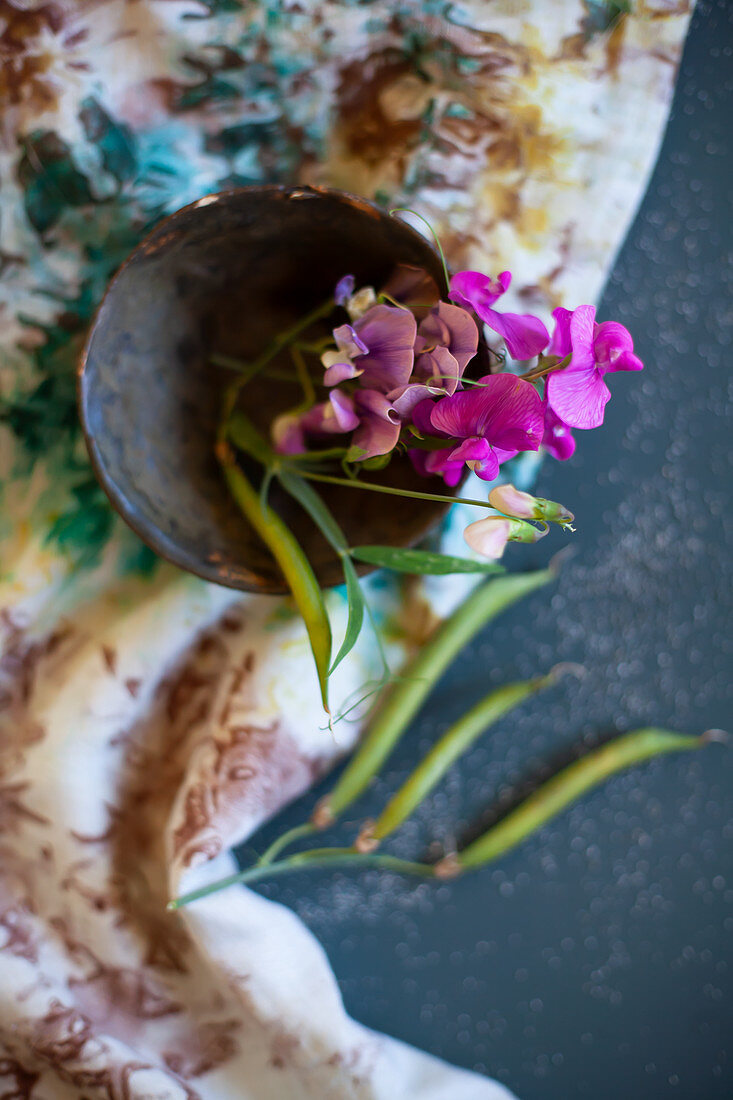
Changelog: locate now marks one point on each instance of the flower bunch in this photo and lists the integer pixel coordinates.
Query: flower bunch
(399, 375)
(451, 383)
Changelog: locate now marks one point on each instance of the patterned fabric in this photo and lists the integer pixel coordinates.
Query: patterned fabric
(150, 721)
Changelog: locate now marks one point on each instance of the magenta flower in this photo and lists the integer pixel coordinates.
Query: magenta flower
(578, 394)
(447, 340)
(489, 424)
(557, 439)
(378, 348)
(524, 335)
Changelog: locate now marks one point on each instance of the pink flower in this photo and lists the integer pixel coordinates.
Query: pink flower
(491, 422)
(557, 439)
(489, 536)
(524, 335)
(578, 394)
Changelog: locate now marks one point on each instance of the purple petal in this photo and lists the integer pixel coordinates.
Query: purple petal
(343, 410)
(389, 333)
(288, 435)
(472, 290)
(340, 372)
(412, 286)
(407, 398)
(440, 367)
(453, 328)
(349, 342)
(421, 418)
(344, 289)
(524, 335)
(560, 343)
(332, 416)
(379, 429)
(578, 397)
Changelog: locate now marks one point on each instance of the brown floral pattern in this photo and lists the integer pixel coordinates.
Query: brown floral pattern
(149, 722)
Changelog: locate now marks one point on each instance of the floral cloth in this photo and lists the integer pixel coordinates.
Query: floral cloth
(150, 721)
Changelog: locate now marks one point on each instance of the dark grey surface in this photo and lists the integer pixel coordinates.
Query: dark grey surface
(597, 961)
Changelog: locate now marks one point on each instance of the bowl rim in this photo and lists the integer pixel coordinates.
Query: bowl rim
(150, 534)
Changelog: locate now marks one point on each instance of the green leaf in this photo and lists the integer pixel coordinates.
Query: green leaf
(242, 433)
(295, 567)
(314, 505)
(355, 598)
(420, 561)
(379, 462)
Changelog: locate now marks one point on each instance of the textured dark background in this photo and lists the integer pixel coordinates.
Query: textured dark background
(597, 960)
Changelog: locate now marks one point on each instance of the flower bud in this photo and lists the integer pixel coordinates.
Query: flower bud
(360, 302)
(489, 536)
(513, 502)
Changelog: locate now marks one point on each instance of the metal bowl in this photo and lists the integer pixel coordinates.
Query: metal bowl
(225, 275)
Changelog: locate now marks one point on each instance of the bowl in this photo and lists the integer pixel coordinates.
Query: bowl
(224, 275)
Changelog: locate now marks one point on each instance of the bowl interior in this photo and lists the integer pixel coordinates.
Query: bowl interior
(224, 275)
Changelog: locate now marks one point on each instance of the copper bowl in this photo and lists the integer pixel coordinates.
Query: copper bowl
(224, 275)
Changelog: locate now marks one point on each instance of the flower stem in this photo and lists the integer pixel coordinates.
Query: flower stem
(293, 563)
(314, 858)
(390, 490)
(280, 341)
(407, 210)
(284, 841)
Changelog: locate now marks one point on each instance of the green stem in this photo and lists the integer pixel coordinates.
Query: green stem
(389, 490)
(295, 566)
(567, 786)
(280, 341)
(408, 694)
(314, 858)
(452, 745)
(306, 383)
(284, 841)
(407, 210)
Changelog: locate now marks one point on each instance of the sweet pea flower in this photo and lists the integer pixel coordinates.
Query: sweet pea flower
(344, 290)
(447, 340)
(578, 394)
(335, 416)
(513, 502)
(378, 348)
(489, 536)
(524, 335)
(490, 423)
(378, 426)
(557, 439)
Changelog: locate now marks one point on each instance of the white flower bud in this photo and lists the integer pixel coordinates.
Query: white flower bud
(360, 302)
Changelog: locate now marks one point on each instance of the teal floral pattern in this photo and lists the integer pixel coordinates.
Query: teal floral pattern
(150, 722)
